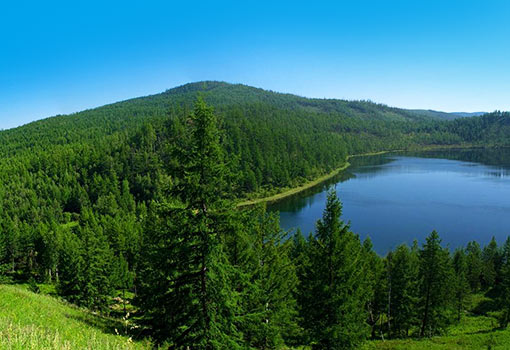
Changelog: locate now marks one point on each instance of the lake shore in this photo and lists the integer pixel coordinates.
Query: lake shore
(309, 184)
(292, 191)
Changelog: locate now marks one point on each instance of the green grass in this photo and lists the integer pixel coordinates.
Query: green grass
(471, 333)
(31, 321)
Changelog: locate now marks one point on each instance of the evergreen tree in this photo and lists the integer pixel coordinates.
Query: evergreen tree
(301, 257)
(462, 287)
(269, 306)
(376, 278)
(435, 292)
(70, 269)
(122, 277)
(185, 288)
(491, 260)
(404, 291)
(97, 288)
(504, 295)
(475, 265)
(335, 290)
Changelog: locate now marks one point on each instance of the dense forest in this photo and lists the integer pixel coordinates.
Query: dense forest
(136, 201)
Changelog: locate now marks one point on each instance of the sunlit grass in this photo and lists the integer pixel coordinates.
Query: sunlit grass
(471, 333)
(33, 321)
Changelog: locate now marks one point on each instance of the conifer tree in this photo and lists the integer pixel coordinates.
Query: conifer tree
(462, 288)
(504, 293)
(97, 287)
(335, 289)
(435, 286)
(185, 288)
(301, 257)
(376, 278)
(70, 269)
(404, 291)
(475, 266)
(269, 306)
(491, 259)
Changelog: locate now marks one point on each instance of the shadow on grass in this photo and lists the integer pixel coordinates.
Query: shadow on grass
(110, 325)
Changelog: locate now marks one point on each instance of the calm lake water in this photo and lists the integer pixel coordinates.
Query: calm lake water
(396, 198)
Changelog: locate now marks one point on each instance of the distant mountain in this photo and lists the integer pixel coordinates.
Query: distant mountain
(445, 115)
(468, 114)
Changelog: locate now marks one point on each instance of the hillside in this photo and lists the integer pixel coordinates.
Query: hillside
(92, 124)
(33, 321)
(92, 204)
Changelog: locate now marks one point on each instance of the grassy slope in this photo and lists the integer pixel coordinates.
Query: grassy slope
(32, 321)
(471, 333)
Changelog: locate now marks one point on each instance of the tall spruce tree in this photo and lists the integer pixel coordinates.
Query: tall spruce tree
(504, 292)
(461, 281)
(491, 259)
(376, 278)
(404, 291)
(336, 290)
(435, 287)
(70, 268)
(268, 311)
(475, 265)
(185, 290)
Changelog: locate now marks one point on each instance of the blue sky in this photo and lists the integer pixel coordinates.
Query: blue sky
(62, 57)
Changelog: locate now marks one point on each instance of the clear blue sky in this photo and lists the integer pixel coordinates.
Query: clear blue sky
(62, 57)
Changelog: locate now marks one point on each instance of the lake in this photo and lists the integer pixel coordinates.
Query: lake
(396, 198)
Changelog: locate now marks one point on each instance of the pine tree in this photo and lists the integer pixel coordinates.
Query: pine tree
(376, 278)
(335, 289)
(475, 266)
(269, 306)
(504, 293)
(435, 291)
(462, 287)
(301, 257)
(97, 287)
(122, 277)
(491, 259)
(70, 269)
(404, 291)
(185, 288)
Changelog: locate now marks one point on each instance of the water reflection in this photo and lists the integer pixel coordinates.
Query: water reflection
(394, 198)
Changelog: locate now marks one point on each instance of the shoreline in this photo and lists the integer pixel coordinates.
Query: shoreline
(317, 181)
(309, 184)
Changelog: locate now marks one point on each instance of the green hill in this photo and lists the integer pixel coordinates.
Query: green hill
(77, 191)
(34, 321)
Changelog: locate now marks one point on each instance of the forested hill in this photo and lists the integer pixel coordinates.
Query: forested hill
(230, 99)
(274, 140)
(90, 202)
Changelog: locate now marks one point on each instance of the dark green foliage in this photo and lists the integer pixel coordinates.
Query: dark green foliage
(377, 286)
(335, 292)
(461, 282)
(32, 285)
(404, 296)
(491, 259)
(435, 290)
(86, 266)
(88, 199)
(70, 275)
(474, 264)
(504, 296)
(268, 285)
(185, 277)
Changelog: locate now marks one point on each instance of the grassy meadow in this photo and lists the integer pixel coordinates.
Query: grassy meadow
(30, 321)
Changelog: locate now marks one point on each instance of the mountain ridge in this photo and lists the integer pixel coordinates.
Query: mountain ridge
(268, 96)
